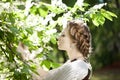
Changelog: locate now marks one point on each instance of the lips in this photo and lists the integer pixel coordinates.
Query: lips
(58, 42)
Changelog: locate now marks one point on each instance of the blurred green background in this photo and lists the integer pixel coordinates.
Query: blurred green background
(105, 58)
(106, 44)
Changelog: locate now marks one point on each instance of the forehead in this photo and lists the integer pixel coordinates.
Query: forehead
(72, 23)
(65, 30)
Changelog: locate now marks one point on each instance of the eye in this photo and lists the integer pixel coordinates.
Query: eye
(63, 35)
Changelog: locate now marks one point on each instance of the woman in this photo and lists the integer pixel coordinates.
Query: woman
(75, 39)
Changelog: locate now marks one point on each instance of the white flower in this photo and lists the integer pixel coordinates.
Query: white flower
(34, 38)
(52, 31)
(99, 6)
(79, 3)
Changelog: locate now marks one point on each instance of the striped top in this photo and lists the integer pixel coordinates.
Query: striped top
(76, 70)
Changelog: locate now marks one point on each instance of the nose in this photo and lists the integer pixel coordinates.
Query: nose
(58, 37)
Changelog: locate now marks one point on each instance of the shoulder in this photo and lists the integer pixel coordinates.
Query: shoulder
(80, 64)
(69, 71)
(80, 68)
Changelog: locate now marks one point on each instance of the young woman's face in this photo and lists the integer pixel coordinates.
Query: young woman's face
(64, 40)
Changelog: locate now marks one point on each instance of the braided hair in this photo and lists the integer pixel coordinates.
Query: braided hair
(80, 33)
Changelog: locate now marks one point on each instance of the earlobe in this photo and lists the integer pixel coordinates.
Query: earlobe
(73, 44)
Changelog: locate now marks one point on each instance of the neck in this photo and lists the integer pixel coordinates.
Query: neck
(75, 54)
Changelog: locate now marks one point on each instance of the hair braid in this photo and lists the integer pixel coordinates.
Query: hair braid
(81, 34)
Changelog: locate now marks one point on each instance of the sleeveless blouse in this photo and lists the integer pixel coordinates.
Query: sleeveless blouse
(76, 70)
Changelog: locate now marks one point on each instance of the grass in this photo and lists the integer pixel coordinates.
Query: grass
(110, 74)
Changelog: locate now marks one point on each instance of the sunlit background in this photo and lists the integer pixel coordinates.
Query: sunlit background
(37, 23)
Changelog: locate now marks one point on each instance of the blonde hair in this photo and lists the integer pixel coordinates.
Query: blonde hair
(80, 33)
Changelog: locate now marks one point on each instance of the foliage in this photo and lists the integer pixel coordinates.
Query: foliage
(106, 43)
(37, 25)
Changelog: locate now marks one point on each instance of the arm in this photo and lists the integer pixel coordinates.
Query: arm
(26, 55)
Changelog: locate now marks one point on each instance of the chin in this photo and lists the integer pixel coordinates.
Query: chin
(60, 48)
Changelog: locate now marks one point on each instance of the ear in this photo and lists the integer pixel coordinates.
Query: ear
(74, 43)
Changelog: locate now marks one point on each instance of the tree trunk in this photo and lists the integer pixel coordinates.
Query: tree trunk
(117, 3)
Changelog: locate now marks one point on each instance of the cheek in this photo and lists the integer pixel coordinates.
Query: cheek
(65, 43)
(61, 44)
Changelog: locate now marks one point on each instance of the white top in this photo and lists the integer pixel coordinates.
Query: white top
(76, 70)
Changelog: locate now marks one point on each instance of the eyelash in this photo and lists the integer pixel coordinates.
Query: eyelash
(63, 35)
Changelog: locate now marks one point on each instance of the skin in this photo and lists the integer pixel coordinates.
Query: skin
(65, 42)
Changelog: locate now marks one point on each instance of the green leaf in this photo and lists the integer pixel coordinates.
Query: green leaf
(46, 63)
(43, 10)
(95, 22)
(101, 20)
(25, 69)
(98, 19)
(53, 39)
(12, 18)
(39, 55)
(55, 65)
(22, 7)
(108, 14)
(29, 30)
(14, 30)
(33, 9)
(108, 17)
(94, 19)
(86, 4)
(112, 14)
(55, 10)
